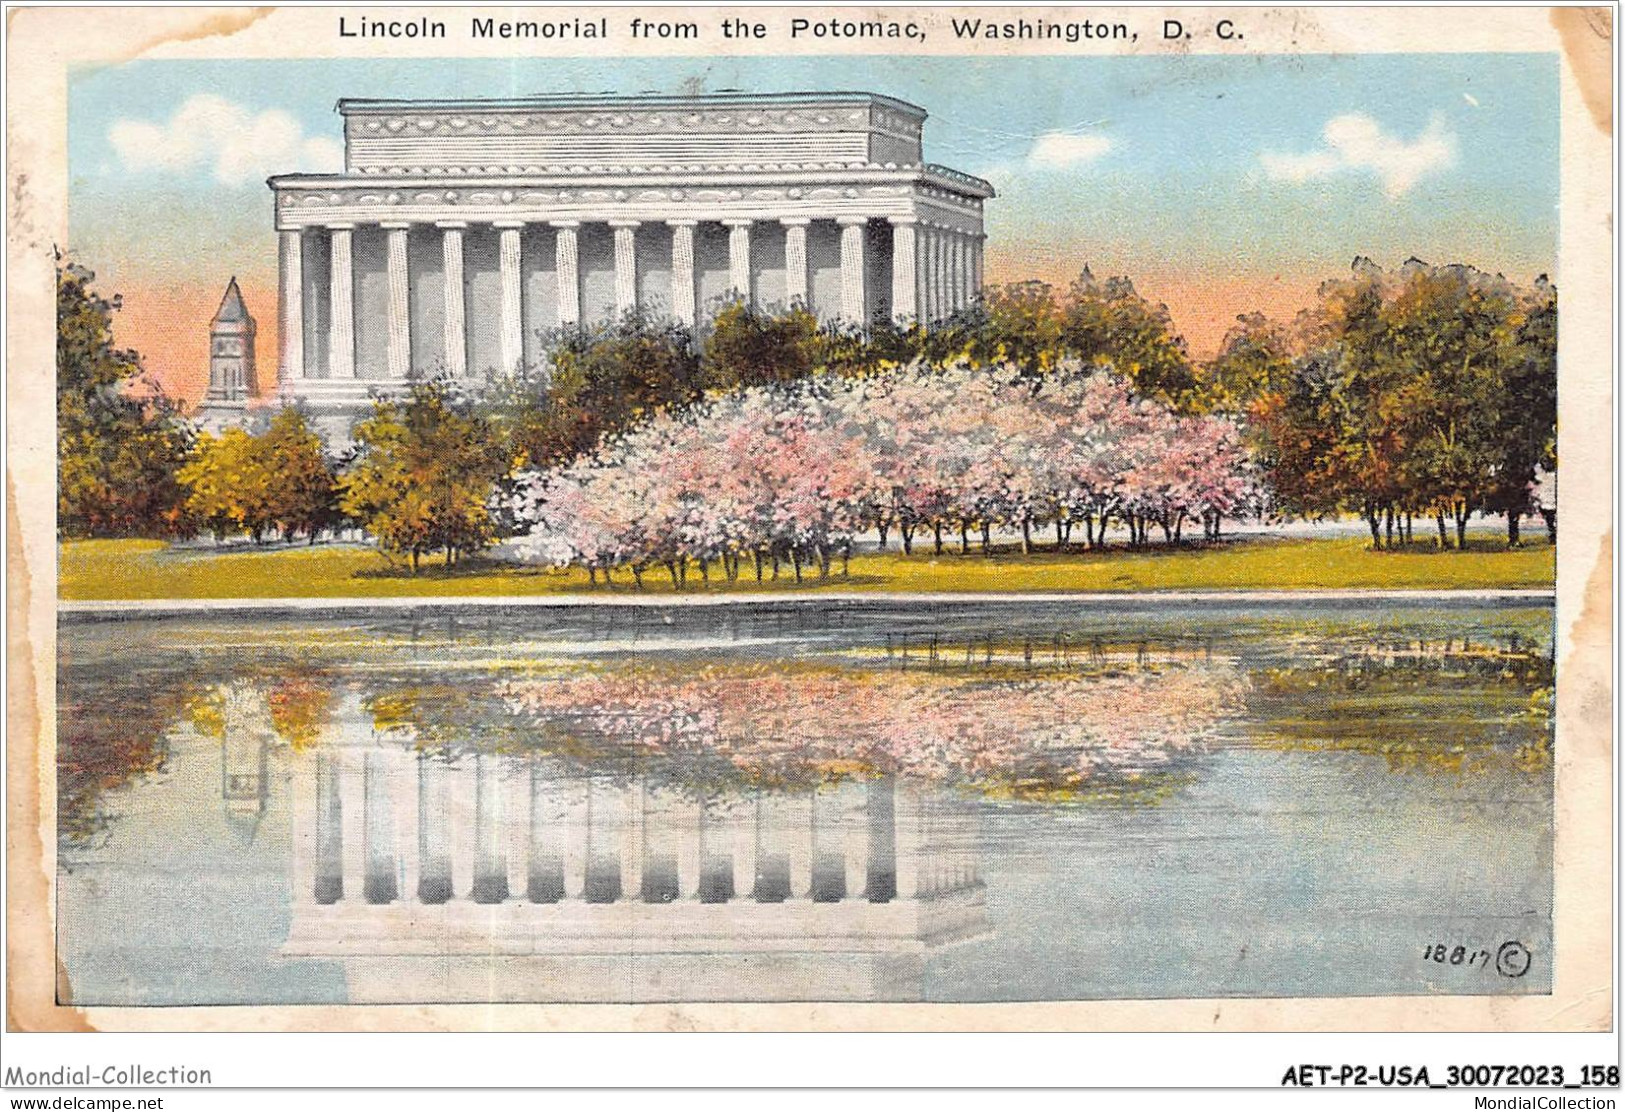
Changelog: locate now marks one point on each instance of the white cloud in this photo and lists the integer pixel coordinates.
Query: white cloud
(236, 144)
(1355, 143)
(1060, 150)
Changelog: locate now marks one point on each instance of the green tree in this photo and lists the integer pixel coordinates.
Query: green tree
(229, 485)
(120, 439)
(1255, 359)
(424, 473)
(752, 346)
(304, 490)
(1108, 323)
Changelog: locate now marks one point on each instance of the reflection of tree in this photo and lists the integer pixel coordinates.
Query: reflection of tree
(298, 707)
(1019, 734)
(110, 733)
(1448, 705)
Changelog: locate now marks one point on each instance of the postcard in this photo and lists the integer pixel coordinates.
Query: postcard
(810, 518)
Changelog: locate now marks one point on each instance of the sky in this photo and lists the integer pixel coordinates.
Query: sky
(1220, 184)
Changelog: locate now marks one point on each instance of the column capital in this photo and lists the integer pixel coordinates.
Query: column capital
(682, 223)
(510, 224)
(910, 218)
(451, 225)
(624, 223)
(395, 225)
(567, 224)
(340, 226)
(795, 221)
(851, 221)
(737, 222)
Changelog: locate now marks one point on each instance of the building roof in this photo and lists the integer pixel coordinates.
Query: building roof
(232, 310)
(348, 105)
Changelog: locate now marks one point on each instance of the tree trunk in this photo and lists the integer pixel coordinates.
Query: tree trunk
(937, 527)
(671, 570)
(964, 539)
(637, 575)
(1407, 527)
(705, 571)
(1375, 522)
(1512, 528)
(905, 530)
(1026, 537)
(1060, 537)
(885, 527)
(1089, 530)
(592, 576)
(795, 558)
(1461, 527)
(986, 542)
(756, 555)
(1444, 540)
(1550, 517)
(1388, 524)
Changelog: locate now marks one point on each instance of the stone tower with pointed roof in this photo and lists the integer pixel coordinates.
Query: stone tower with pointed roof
(231, 350)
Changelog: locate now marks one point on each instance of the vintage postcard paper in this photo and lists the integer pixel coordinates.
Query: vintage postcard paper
(913, 518)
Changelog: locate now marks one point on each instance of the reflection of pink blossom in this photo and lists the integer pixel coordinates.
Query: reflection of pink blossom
(773, 717)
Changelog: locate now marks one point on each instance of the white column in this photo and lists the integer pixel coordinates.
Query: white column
(930, 293)
(400, 306)
(687, 821)
(341, 298)
(566, 258)
(905, 280)
(956, 271)
(460, 818)
(852, 291)
(512, 350)
(451, 243)
(684, 297)
(855, 841)
(944, 294)
(795, 259)
(291, 307)
(382, 867)
(573, 837)
(976, 278)
(626, 265)
(739, 258)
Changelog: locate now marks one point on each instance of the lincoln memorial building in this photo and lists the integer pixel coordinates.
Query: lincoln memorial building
(461, 233)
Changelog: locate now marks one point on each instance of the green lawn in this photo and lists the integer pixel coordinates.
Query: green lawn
(153, 570)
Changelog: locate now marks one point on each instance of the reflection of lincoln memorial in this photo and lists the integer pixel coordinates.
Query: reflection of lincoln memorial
(498, 877)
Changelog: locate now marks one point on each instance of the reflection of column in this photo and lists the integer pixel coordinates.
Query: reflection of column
(341, 303)
(516, 824)
(827, 883)
(305, 848)
(403, 790)
(855, 844)
(773, 832)
(683, 295)
(665, 830)
(464, 789)
(626, 265)
(456, 326)
(398, 317)
(795, 259)
(739, 258)
(544, 882)
(352, 792)
(329, 880)
(434, 831)
(687, 823)
(380, 882)
(512, 350)
(631, 841)
(880, 804)
(716, 842)
(577, 818)
(567, 262)
(906, 824)
(905, 280)
(852, 269)
(490, 880)
(744, 841)
(291, 325)
(604, 803)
